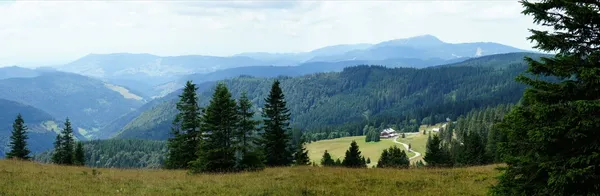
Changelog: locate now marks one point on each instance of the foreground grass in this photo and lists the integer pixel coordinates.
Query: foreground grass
(337, 148)
(29, 178)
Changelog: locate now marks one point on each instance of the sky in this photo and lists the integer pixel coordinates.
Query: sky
(37, 33)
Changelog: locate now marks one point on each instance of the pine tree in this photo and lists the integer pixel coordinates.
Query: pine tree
(368, 160)
(473, 151)
(64, 145)
(251, 158)
(301, 155)
(353, 157)
(58, 153)
(436, 155)
(275, 140)
(186, 130)
(553, 137)
(79, 156)
(18, 140)
(327, 160)
(219, 122)
(393, 157)
(337, 162)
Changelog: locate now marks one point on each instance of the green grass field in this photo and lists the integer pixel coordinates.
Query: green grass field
(29, 178)
(337, 148)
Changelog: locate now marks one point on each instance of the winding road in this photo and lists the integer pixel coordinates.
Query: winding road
(417, 154)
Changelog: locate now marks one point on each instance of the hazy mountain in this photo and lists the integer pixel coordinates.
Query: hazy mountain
(335, 99)
(143, 71)
(89, 103)
(17, 72)
(42, 126)
(290, 59)
(421, 47)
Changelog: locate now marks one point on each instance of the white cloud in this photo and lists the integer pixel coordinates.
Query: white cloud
(36, 32)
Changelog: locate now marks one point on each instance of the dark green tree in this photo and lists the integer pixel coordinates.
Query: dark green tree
(275, 140)
(368, 160)
(18, 140)
(79, 156)
(186, 130)
(338, 162)
(553, 137)
(58, 153)
(393, 157)
(301, 155)
(219, 123)
(473, 151)
(64, 146)
(353, 157)
(327, 160)
(437, 155)
(250, 156)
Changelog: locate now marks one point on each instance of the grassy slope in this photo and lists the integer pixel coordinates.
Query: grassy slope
(337, 148)
(418, 142)
(28, 178)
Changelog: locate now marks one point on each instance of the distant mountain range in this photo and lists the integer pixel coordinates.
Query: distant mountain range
(148, 74)
(333, 99)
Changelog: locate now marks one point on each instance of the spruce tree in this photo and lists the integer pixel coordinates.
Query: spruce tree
(250, 155)
(186, 130)
(18, 140)
(338, 162)
(393, 157)
(58, 153)
(301, 156)
(553, 137)
(326, 160)
(275, 140)
(436, 154)
(79, 156)
(64, 146)
(353, 157)
(473, 151)
(219, 123)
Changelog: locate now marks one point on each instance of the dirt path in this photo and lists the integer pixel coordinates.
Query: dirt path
(417, 154)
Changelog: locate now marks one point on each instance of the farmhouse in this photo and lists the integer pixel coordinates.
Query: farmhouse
(388, 133)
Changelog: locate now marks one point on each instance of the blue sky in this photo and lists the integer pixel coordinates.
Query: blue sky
(34, 33)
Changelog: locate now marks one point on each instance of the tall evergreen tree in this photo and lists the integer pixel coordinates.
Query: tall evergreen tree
(186, 130)
(18, 140)
(58, 153)
(64, 145)
(275, 140)
(219, 123)
(353, 157)
(301, 155)
(553, 137)
(250, 155)
(436, 155)
(326, 160)
(473, 151)
(79, 156)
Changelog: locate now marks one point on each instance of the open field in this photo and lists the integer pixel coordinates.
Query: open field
(29, 178)
(337, 148)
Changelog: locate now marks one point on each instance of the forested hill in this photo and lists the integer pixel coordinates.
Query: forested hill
(346, 100)
(42, 126)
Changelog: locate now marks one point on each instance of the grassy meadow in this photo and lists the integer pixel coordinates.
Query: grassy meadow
(30, 178)
(337, 148)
